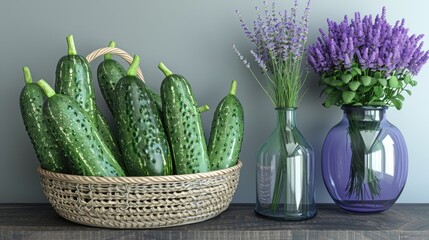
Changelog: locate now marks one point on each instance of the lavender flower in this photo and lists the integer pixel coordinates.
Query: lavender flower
(260, 61)
(373, 49)
(280, 40)
(371, 44)
(245, 62)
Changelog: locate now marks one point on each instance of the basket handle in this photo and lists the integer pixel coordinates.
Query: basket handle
(116, 51)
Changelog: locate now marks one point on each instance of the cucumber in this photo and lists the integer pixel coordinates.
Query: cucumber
(74, 78)
(50, 155)
(78, 136)
(143, 142)
(183, 124)
(226, 133)
(109, 72)
(156, 98)
(108, 136)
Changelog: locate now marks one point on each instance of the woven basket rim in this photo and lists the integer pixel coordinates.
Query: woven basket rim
(115, 51)
(139, 179)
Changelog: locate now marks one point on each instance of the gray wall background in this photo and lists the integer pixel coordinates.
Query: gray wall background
(194, 39)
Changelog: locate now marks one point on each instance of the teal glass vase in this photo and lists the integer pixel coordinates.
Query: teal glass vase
(285, 172)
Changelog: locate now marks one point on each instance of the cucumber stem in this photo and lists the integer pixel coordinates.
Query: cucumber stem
(203, 108)
(132, 71)
(109, 55)
(27, 75)
(46, 88)
(233, 88)
(164, 69)
(70, 45)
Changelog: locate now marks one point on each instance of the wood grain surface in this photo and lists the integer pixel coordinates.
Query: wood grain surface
(402, 221)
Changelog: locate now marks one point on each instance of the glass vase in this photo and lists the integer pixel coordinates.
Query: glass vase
(285, 172)
(364, 160)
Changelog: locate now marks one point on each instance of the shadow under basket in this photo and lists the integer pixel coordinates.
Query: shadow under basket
(140, 202)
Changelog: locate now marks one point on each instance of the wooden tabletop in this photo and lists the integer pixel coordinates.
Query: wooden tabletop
(402, 221)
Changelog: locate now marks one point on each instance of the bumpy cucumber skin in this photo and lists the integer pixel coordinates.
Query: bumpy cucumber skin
(156, 98)
(184, 126)
(109, 72)
(74, 78)
(143, 142)
(77, 135)
(50, 155)
(108, 137)
(226, 133)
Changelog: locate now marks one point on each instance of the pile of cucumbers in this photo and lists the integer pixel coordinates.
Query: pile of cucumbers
(154, 134)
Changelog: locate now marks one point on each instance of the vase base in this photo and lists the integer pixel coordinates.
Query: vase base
(365, 206)
(280, 215)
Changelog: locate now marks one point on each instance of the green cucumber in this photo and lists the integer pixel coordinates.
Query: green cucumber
(226, 135)
(50, 155)
(78, 136)
(156, 98)
(74, 78)
(142, 138)
(183, 124)
(108, 136)
(109, 72)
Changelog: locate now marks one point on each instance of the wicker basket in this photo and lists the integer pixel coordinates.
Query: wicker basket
(139, 202)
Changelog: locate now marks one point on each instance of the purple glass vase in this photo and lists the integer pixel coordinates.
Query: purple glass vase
(364, 160)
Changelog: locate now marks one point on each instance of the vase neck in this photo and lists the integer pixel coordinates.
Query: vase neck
(286, 117)
(365, 113)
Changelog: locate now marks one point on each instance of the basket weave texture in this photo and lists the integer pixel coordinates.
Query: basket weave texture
(140, 202)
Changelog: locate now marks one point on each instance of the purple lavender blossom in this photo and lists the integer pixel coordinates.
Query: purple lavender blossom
(259, 60)
(372, 44)
(278, 36)
(279, 39)
(245, 62)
